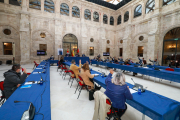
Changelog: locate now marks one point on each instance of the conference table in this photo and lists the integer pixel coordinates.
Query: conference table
(162, 74)
(83, 59)
(38, 94)
(53, 61)
(155, 106)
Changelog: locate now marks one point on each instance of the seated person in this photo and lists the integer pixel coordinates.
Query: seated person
(120, 59)
(13, 79)
(99, 60)
(75, 68)
(140, 60)
(51, 58)
(77, 55)
(118, 91)
(155, 62)
(115, 61)
(67, 55)
(126, 62)
(87, 76)
(112, 58)
(83, 55)
(61, 61)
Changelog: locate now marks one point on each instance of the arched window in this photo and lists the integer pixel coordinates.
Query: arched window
(13, 2)
(96, 17)
(87, 14)
(119, 20)
(111, 20)
(75, 12)
(167, 2)
(105, 19)
(35, 4)
(138, 11)
(49, 6)
(126, 16)
(150, 5)
(64, 9)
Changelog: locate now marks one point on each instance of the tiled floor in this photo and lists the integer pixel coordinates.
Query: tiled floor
(66, 106)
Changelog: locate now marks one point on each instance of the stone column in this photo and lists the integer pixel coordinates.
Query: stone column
(42, 5)
(25, 40)
(6, 1)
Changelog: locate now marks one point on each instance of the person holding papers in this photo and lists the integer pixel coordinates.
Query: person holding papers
(13, 79)
(87, 77)
(118, 91)
(75, 68)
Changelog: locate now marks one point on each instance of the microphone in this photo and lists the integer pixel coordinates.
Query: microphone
(133, 81)
(28, 114)
(41, 81)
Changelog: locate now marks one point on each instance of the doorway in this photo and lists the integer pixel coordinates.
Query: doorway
(70, 42)
(171, 47)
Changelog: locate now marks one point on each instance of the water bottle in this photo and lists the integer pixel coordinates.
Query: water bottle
(139, 91)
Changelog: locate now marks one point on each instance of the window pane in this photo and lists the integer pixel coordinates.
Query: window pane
(111, 20)
(138, 11)
(126, 16)
(87, 14)
(64, 9)
(75, 12)
(35, 4)
(105, 19)
(150, 5)
(7, 48)
(96, 17)
(167, 2)
(14, 2)
(91, 51)
(49, 6)
(2, 1)
(119, 20)
(140, 51)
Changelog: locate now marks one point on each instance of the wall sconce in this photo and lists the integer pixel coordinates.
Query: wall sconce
(91, 48)
(172, 47)
(74, 47)
(5, 44)
(142, 47)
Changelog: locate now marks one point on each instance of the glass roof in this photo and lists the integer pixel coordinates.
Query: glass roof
(115, 2)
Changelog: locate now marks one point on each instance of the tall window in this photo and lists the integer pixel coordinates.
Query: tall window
(111, 20)
(150, 5)
(64, 9)
(96, 17)
(91, 51)
(87, 14)
(105, 19)
(2, 1)
(140, 51)
(167, 2)
(108, 50)
(49, 6)
(119, 20)
(43, 47)
(7, 48)
(138, 11)
(126, 16)
(75, 12)
(35, 4)
(13, 2)
(120, 52)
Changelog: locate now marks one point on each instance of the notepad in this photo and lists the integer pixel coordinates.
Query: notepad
(26, 86)
(96, 74)
(38, 68)
(36, 72)
(30, 82)
(132, 91)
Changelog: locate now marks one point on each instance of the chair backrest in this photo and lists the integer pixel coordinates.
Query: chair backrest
(169, 69)
(1, 85)
(108, 102)
(71, 71)
(80, 78)
(22, 69)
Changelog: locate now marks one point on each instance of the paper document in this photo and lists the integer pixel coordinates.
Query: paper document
(36, 72)
(30, 82)
(38, 68)
(132, 91)
(41, 65)
(96, 74)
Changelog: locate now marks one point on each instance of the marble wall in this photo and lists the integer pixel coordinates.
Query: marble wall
(27, 24)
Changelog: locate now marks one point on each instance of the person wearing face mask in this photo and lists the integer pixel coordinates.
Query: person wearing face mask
(13, 79)
(51, 58)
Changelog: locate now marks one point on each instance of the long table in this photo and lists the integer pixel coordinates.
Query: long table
(13, 111)
(83, 59)
(162, 74)
(149, 103)
(53, 61)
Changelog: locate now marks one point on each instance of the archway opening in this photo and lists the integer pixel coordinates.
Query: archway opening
(171, 47)
(70, 42)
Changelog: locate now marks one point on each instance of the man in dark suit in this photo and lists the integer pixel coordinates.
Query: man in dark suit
(77, 55)
(83, 55)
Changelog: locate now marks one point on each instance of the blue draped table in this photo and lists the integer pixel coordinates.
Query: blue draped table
(83, 59)
(162, 74)
(14, 111)
(53, 61)
(149, 103)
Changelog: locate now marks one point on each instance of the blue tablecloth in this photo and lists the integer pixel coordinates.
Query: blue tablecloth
(13, 111)
(83, 59)
(151, 104)
(162, 74)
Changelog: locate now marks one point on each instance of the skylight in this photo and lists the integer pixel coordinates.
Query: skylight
(115, 2)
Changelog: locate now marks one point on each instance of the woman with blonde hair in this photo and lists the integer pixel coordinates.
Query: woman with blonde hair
(118, 91)
(87, 76)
